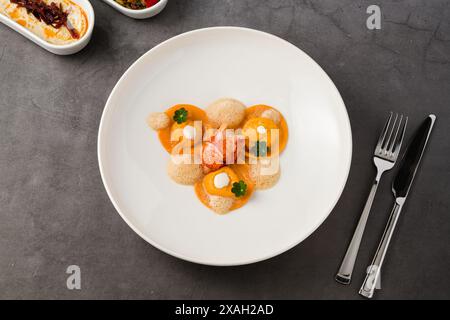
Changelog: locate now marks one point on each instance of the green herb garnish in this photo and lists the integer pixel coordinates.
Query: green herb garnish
(239, 189)
(180, 115)
(260, 149)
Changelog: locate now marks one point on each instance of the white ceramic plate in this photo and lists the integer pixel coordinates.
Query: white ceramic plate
(198, 67)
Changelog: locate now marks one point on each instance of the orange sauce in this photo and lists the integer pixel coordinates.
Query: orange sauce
(208, 182)
(15, 14)
(241, 171)
(194, 114)
(257, 110)
(22, 22)
(49, 33)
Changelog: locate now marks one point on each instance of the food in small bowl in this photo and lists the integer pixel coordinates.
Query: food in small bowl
(226, 151)
(137, 4)
(138, 9)
(58, 22)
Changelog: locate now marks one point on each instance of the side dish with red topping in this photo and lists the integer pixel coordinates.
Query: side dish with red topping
(56, 21)
(137, 4)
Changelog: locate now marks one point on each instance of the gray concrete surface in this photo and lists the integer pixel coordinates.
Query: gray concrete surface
(55, 212)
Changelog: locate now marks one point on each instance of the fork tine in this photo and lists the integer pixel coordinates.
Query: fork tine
(384, 132)
(388, 140)
(392, 142)
(398, 144)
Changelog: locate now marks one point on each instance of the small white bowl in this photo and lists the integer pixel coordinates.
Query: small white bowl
(138, 14)
(65, 49)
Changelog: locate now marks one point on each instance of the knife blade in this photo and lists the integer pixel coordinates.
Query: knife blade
(400, 187)
(411, 160)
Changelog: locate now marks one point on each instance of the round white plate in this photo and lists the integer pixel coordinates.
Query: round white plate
(196, 68)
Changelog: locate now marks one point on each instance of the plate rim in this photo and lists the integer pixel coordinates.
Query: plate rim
(178, 255)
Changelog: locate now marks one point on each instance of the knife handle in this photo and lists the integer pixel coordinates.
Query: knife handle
(368, 288)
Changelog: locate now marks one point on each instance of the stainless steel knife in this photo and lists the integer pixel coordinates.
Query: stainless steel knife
(400, 187)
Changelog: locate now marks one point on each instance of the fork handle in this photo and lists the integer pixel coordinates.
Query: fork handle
(344, 274)
(368, 287)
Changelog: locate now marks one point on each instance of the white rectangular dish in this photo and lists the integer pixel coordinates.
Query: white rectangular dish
(138, 14)
(65, 49)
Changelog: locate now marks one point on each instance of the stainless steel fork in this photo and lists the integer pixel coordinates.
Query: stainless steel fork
(384, 158)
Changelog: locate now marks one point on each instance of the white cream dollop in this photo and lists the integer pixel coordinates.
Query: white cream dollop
(189, 132)
(261, 129)
(221, 180)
